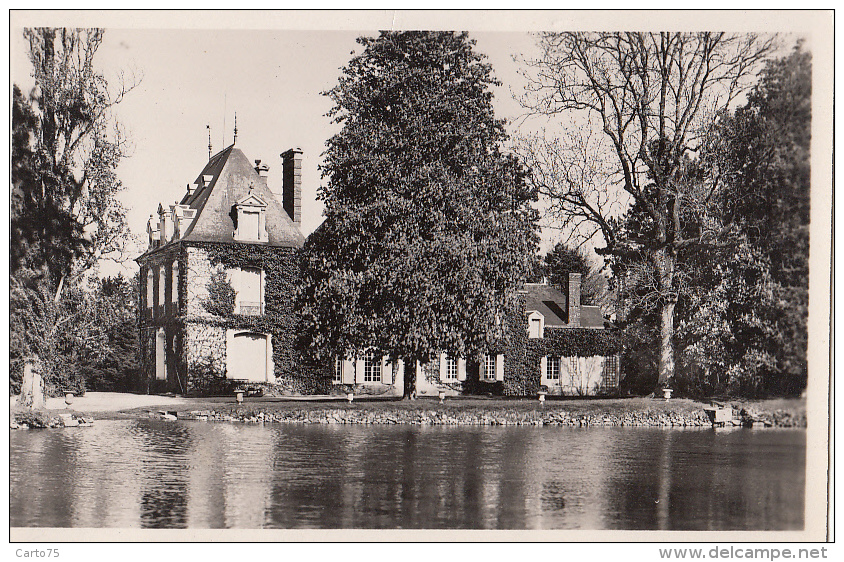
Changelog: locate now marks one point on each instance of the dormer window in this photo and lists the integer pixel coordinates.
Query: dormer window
(536, 325)
(251, 219)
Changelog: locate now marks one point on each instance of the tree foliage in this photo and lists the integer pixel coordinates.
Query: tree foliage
(594, 287)
(66, 147)
(428, 226)
(80, 338)
(115, 367)
(65, 216)
(744, 327)
(651, 98)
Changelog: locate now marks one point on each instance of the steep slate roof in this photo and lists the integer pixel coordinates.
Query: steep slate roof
(553, 305)
(591, 317)
(232, 175)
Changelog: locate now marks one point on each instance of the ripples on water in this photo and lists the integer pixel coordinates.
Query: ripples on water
(151, 473)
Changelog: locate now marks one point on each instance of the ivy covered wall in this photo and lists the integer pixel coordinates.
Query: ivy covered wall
(208, 306)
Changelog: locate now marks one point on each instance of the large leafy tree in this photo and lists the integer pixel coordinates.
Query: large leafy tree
(65, 215)
(647, 100)
(752, 310)
(428, 225)
(65, 149)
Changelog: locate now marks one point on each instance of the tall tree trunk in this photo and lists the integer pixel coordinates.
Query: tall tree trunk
(666, 343)
(409, 379)
(666, 262)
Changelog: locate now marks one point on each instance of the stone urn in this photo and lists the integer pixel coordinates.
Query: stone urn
(442, 396)
(238, 397)
(68, 399)
(666, 392)
(350, 396)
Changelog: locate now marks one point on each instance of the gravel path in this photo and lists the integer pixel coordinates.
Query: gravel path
(110, 402)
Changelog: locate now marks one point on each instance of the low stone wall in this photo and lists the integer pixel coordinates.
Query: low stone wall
(485, 417)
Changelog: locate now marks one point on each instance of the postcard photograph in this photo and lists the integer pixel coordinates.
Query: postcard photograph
(384, 276)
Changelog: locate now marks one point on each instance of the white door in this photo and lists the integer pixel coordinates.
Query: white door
(246, 357)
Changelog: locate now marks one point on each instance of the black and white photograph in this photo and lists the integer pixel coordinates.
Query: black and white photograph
(420, 276)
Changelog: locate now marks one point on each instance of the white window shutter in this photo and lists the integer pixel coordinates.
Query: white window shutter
(347, 375)
(233, 277)
(461, 369)
(499, 367)
(543, 370)
(386, 370)
(442, 367)
(162, 284)
(263, 289)
(360, 363)
(270, 362)
(150, 289)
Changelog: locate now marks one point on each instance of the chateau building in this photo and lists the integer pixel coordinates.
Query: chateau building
(217, 289)
(218, 279)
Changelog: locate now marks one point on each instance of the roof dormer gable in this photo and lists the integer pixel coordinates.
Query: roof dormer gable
(251, 216)
(251, 200)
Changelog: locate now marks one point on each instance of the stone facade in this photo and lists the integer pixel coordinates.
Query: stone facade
(218, 282)
(205, 354)
(200, 271)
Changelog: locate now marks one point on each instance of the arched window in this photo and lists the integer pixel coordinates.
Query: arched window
(162, 280)
(160, 355)
(174, 286)
(150, 289)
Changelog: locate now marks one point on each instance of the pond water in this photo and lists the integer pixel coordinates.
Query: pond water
(149, 473)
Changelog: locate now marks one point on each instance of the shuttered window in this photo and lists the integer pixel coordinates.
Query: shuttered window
(552, 368)
(249, 293)
(488, 369)
(248, 227)
(338, 371)
(450, 368)
(371, 368)
(535, 328)
(150, 289)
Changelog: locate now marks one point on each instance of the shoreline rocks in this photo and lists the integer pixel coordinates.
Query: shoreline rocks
(362, 416)
(40, 419)
(437, 416)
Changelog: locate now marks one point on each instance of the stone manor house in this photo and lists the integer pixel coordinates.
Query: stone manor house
(217, 289)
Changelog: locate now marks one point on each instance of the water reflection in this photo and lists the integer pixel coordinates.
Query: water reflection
(207, 475)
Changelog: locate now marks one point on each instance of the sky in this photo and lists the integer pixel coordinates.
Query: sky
(271, 79)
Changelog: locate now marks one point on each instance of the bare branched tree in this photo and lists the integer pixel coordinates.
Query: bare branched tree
(650, 97)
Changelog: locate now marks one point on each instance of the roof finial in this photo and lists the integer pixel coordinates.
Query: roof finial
(209, 140)
(235, 128)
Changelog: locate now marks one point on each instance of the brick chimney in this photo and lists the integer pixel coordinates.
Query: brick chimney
(291, 197)
(573, 299)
